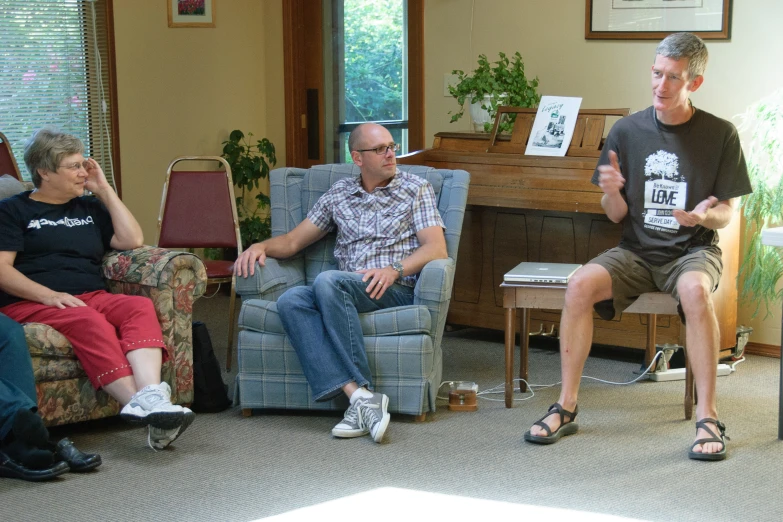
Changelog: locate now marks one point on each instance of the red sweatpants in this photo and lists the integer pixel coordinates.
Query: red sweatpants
(102, 332)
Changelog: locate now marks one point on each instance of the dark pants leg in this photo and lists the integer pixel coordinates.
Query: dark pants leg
(17, 384)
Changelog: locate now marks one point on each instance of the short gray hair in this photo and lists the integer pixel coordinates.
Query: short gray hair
(685, 45)
(45, 150)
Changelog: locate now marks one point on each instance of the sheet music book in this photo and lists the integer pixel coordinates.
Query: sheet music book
(554, 125)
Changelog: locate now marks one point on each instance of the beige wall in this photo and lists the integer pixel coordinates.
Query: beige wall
(550, 36)
(183, 90)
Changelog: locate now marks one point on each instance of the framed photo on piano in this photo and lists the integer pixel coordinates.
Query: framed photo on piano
(656, 19)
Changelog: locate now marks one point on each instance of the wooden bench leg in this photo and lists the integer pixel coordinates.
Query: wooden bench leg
(524, 345)
(510, 334)
(247, 412)
(650, 349)
(689, 389)
(420, 418)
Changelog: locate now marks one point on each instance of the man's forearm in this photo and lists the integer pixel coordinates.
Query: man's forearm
(718, 216)
(423, 255)
(279, 247)
(615, 207)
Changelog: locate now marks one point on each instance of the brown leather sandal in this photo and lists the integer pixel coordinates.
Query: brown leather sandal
(566, 428)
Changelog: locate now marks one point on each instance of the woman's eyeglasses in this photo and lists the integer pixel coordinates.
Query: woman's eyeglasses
(73, 167)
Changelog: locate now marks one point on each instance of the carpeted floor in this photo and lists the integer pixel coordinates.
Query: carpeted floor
(628, 459)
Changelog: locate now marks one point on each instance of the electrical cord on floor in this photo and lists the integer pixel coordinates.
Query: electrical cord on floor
(733, 365)
(500, 388)
(214, 294)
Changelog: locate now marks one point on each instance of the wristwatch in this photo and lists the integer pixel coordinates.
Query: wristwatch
(398, 267)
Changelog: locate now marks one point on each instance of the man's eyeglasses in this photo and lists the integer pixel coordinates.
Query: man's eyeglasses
(74, 166)
(383, 149)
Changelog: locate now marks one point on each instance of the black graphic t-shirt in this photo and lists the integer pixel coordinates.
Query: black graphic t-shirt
(57, 246)
(668, 167)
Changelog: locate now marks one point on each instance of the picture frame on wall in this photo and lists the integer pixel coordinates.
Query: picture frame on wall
(191, 13)
(656, 19)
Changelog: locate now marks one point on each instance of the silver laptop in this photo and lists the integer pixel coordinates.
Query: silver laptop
(540, 273)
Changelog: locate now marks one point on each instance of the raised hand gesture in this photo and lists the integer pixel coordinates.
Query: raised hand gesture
(96, 180)
(610, 179)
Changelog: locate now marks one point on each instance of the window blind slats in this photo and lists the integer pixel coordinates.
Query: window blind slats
(49, 74)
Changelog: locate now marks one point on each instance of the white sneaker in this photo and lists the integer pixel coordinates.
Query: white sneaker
(151, 406)
(158, 438)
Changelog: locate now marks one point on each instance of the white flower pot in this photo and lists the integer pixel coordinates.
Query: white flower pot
(481, 116)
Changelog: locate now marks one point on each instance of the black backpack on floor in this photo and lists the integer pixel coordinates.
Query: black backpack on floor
(210, 392)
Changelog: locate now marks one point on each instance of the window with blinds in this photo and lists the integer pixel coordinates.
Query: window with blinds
(55, 71)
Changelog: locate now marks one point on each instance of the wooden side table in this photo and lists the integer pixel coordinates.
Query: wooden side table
(774, 237)
(520, 298)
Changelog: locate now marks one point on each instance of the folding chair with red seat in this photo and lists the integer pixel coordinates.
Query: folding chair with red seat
(198, 210)
(7, 161)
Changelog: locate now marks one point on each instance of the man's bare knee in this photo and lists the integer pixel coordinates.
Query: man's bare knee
(695, 293)
(589, 285)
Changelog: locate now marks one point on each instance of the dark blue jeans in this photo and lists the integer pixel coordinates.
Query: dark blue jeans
(322, 322)
(17, 384)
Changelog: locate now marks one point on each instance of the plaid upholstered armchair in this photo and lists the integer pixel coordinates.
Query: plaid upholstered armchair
(402, 343)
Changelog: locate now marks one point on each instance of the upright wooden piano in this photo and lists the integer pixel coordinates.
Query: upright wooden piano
(539, 208)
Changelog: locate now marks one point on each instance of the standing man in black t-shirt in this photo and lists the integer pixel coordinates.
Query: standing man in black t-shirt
(669, 174)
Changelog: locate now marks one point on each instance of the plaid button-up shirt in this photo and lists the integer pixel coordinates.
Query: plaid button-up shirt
(375, 229)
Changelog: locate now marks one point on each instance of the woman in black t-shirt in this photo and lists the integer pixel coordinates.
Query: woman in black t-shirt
(52, 240)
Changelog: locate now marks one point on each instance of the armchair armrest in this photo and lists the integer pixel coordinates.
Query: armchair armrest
(271, 280)
(434, 283)
(129, 270)
(433, 290)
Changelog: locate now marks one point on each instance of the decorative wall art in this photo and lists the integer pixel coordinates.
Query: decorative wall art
(191, 13)
(655, 19)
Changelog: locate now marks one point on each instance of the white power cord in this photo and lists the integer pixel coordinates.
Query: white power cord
(733, 365)
(103, 123)
(500, 388)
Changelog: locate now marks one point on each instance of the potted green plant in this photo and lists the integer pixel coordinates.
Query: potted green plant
(762, 266)
(250, 162)
(502, 82)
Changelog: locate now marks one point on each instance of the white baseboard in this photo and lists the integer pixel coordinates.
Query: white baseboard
(678, 374)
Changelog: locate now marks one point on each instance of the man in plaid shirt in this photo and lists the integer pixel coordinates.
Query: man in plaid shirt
(388, 228)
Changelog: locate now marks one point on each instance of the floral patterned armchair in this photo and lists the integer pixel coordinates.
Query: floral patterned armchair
(173, 280)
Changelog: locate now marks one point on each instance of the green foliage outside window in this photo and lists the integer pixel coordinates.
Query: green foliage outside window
(373, 32)
(43, 81)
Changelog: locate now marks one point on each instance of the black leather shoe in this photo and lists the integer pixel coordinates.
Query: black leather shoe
(76, 460)
(12, 469)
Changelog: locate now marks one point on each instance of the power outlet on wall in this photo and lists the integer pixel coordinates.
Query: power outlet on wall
(448, 79)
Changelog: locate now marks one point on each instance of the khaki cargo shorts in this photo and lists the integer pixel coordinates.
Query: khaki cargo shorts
(632, 276)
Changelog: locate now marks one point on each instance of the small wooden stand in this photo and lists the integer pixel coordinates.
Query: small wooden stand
(462, 400)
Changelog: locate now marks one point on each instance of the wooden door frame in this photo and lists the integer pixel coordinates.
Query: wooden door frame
(294, 79)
